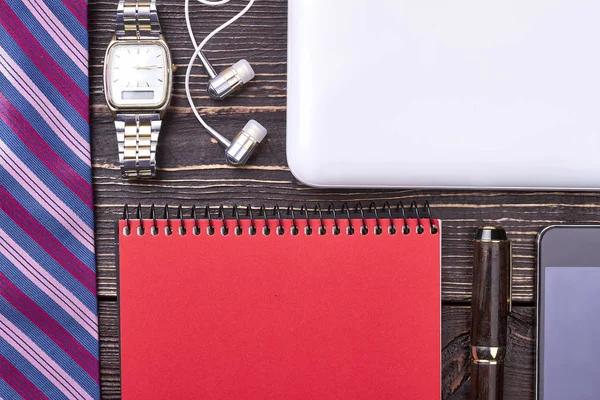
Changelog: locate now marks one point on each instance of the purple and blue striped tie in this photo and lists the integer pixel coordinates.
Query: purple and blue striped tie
(48, 308)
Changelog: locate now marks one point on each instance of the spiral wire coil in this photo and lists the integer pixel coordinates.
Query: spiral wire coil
(274, 219)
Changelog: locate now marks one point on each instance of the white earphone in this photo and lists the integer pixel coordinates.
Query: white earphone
(222, 85)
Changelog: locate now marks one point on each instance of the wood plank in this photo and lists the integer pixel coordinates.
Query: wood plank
(455, 354)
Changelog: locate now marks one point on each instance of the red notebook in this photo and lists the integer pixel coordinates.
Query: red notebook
(281, 316)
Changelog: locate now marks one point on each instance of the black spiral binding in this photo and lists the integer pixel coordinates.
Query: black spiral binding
(274, 218)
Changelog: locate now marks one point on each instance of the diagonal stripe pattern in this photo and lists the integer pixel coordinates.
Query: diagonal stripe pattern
(48, 307)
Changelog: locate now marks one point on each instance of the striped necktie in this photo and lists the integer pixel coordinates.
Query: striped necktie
(48, 307)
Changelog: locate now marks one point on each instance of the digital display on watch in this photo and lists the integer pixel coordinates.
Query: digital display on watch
(137, 95)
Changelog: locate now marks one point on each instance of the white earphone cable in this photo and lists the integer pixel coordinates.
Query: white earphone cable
(223, 140)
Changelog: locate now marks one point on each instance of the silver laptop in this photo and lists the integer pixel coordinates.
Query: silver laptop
(444, 94)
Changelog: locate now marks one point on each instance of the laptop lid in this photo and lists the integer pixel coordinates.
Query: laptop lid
(461, 94)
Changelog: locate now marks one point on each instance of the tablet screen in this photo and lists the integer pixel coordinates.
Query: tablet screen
(571, 329)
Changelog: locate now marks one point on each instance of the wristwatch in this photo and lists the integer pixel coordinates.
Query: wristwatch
(137, 84)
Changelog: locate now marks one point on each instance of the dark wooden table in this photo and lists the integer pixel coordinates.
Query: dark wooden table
(193, 171)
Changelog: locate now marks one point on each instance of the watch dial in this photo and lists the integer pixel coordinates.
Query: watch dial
(137, 75)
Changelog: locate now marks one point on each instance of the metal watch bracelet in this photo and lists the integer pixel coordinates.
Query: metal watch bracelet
(137, 135)
(137, 19)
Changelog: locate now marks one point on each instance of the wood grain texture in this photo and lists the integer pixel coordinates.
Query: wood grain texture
(193, 171)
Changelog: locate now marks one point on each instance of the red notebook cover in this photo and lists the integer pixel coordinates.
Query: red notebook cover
(280, 316)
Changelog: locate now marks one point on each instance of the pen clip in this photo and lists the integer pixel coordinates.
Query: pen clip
(510, 277)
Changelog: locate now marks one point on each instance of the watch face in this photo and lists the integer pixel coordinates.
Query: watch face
(137, 75)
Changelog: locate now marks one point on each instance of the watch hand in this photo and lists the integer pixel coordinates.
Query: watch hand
(146, 67)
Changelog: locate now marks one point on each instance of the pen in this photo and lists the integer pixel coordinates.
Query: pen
(491, 304)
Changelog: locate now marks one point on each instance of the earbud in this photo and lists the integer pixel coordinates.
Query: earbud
(230, 80)
(245, 142)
